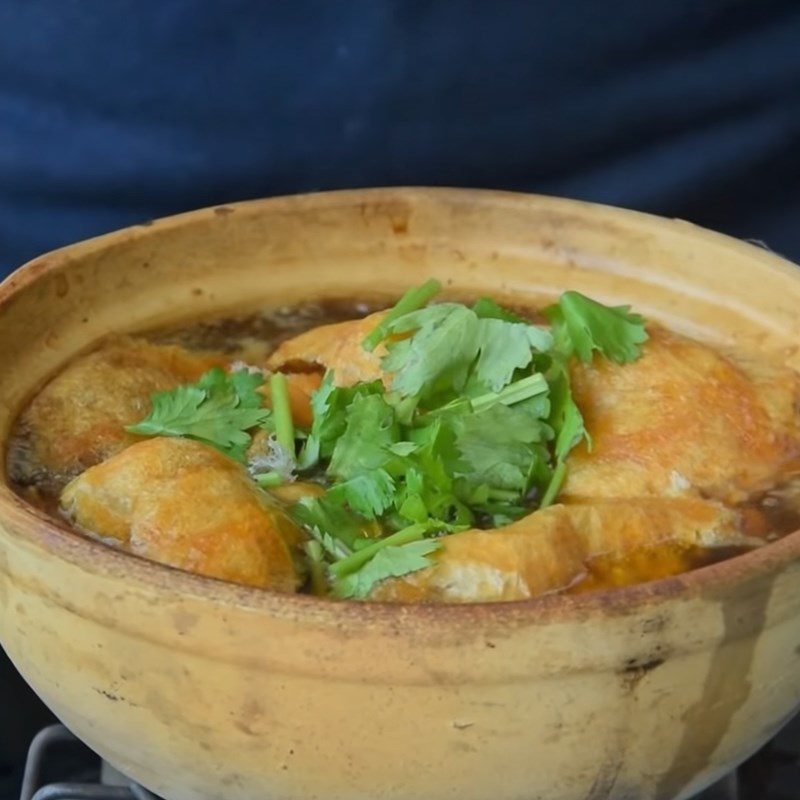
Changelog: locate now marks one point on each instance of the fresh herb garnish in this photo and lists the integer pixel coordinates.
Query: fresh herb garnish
(390, 561)
(567, 422)
(474, 429)
(329, 406)
(414, 298)
(268, 480)
(586, 325)
(284, 427)
(219, 410)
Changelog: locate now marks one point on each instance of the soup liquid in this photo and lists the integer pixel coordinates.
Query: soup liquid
(251, 338)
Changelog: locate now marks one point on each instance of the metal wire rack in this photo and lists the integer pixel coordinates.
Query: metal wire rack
(95, 782)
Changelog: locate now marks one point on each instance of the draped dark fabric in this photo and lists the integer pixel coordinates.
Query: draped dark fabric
(116, 111)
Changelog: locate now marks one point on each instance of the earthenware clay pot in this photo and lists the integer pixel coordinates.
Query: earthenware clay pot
(201, 690)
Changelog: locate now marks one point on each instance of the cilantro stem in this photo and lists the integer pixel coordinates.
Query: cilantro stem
(356, 560)
(503, 494)
(269, 480)
(316, 570)
(516, 392)
(284, 427)
(415, 298)
(556, 481)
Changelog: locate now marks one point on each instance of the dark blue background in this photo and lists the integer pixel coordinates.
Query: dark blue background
(118, 111)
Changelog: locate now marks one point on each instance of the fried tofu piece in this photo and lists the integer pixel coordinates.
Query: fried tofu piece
(79, 418)
(182, 503)
(336, 347)
(565, 547)
(683, 418)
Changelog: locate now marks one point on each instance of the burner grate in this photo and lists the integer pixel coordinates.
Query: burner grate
(55, 753)
(49, 747)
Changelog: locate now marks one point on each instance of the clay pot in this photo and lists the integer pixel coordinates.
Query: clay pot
(201, 689)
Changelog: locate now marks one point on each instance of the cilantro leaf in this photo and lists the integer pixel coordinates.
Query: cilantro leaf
(497, 446)
(438, 356)
(414, 298)
(368, 493)
(584, 325)
(565, 416)
(392, 561)
(445, 343)
(218, 410)
(430, 477)
(363, 446)
(329, 406)
(333, 525)
(245, 386)
(506, 347)
(567, 420)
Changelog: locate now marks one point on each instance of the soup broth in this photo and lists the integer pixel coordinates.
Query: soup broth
(249, 340)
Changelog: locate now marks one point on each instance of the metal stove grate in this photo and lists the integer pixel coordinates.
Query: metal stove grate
(772, 774)
(88, 781)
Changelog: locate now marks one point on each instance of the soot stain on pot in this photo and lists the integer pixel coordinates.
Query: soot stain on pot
(184, 622)
(635, 669)
(114, 697)
(61, 284)
(399, 224)
(655, 624)
(398, 213)
(250, 714)
(605, 781)
(726, 687)
(166, 711)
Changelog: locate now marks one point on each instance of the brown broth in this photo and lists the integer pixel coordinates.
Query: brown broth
(252, 337)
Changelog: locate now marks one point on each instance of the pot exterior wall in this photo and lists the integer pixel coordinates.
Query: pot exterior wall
(161, 686)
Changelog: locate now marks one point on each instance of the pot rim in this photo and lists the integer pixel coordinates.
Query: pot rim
(46, 533)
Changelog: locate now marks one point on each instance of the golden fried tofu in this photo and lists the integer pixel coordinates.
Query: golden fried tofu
(78, 419)
(182, 503)
(336, 347)
(564, 547)
(683, 418)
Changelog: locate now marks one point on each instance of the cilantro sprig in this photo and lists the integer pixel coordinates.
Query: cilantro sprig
(414, 298)
(219, 409)
(583, 325)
